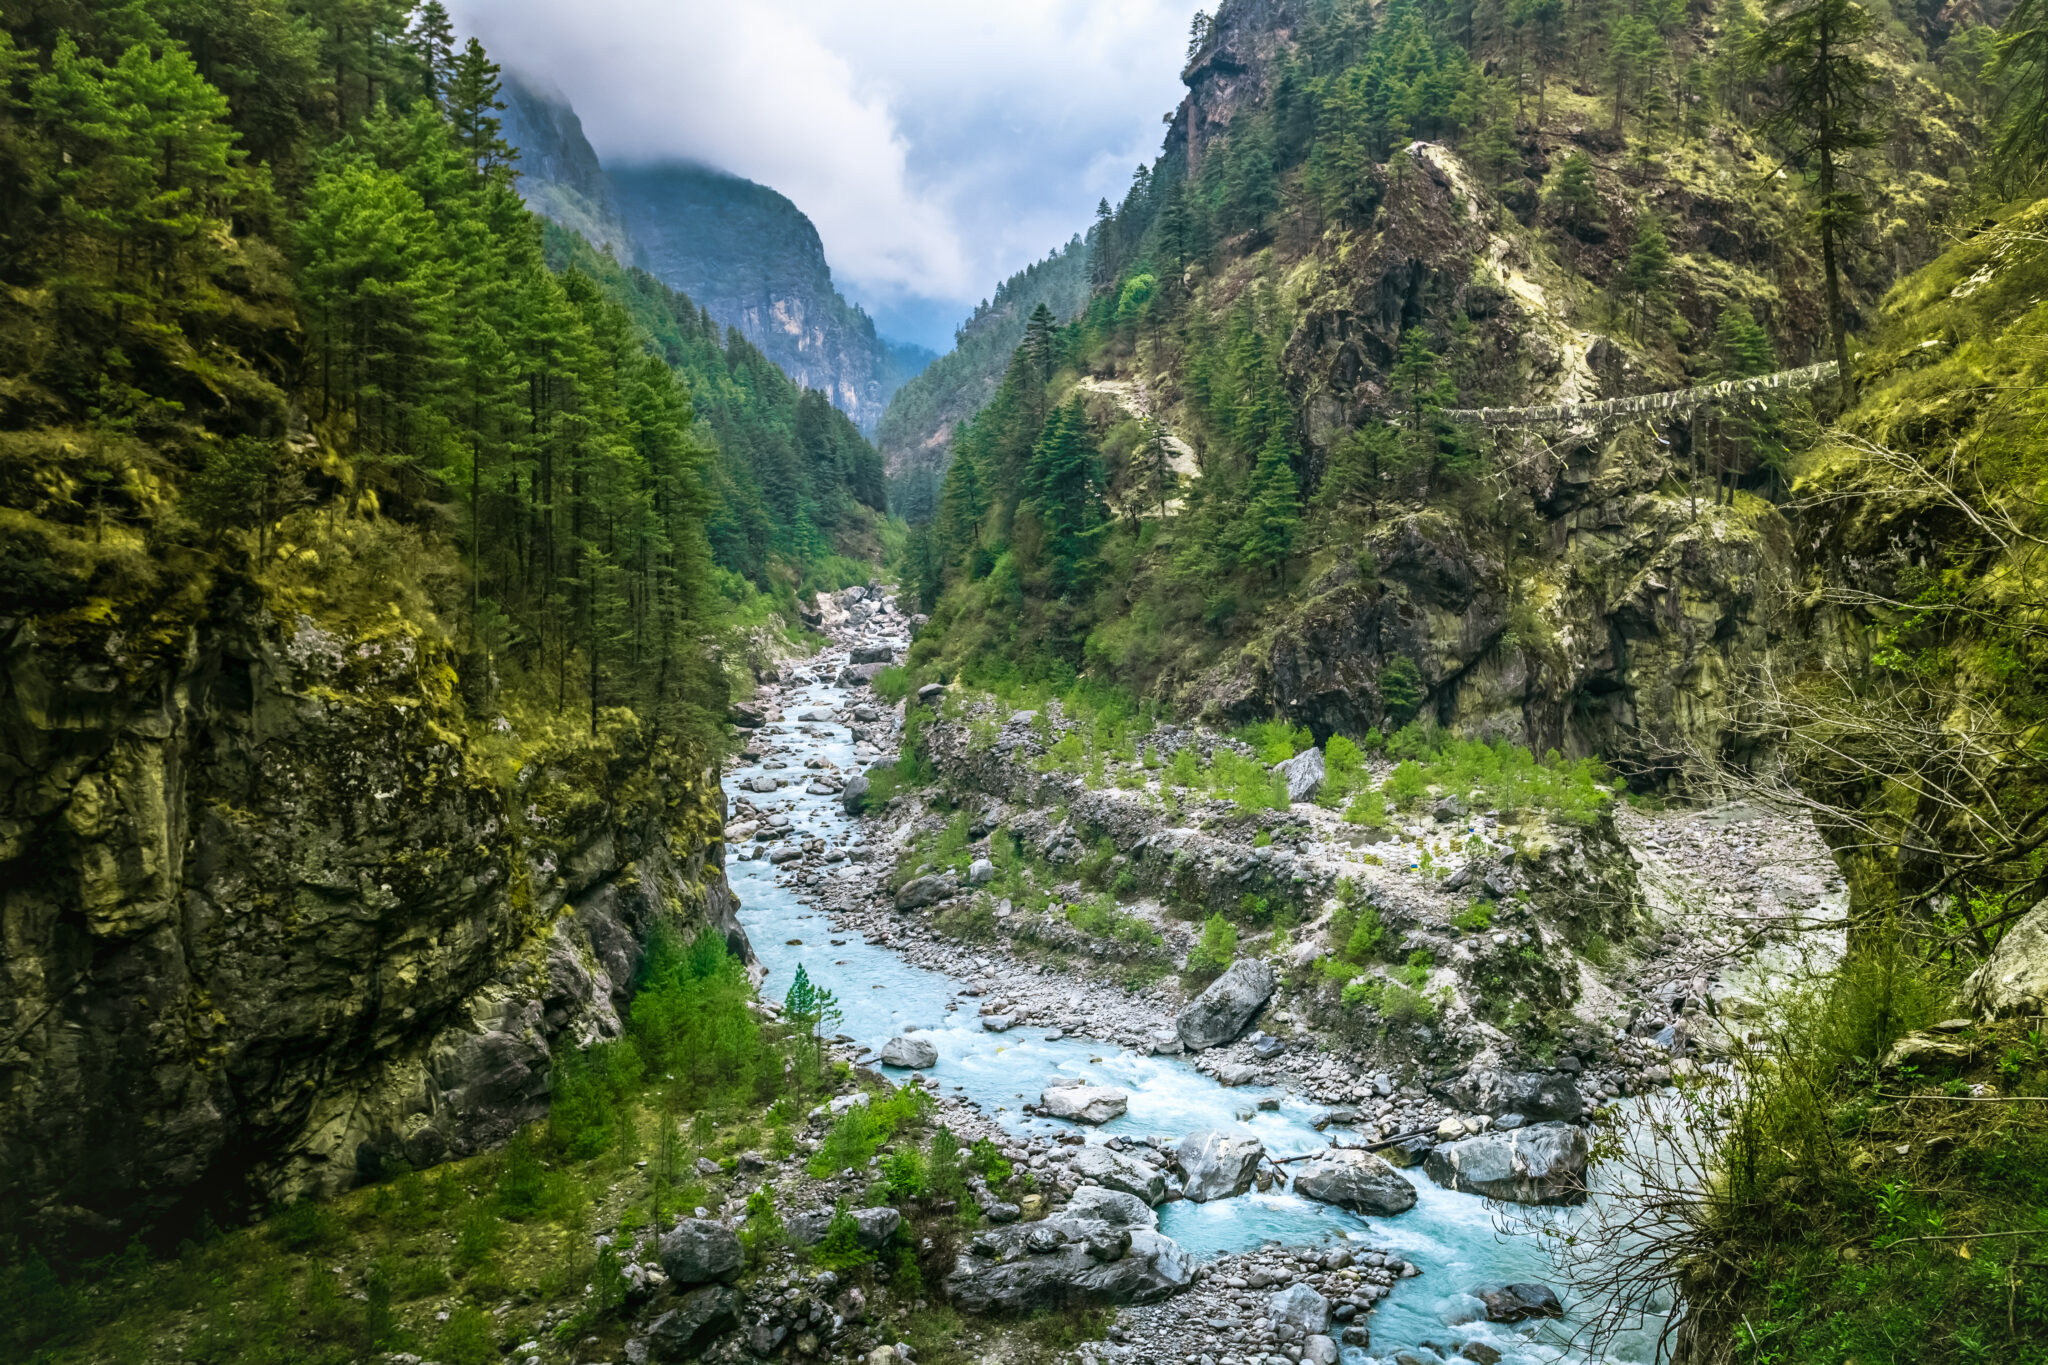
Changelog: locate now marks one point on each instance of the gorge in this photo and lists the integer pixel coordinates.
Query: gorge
(1424, 747)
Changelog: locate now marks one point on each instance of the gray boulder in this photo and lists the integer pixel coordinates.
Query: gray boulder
(2014, 979)
(699, 1251)
(912, 1054)
(872, 1228)
(1064, 1262)
(1114, 1207)
(980, 872)
(1541, 1164)
(1299, 1306)
(922, 891)
(1532, 1094)
(1084, 1103)
(1304, 774)
(699, 1318)
(1218, 1165)
(1519, 1302)
(1117, 1171)
(858, 675)
(1319, 1350)
(872, 654)
(1355, 1180)
(1221, 1012)
(853, 797)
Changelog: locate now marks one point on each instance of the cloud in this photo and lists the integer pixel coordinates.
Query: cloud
(937, 146)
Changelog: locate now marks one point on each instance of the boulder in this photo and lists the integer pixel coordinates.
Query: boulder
(1218, 1165)
(853, 797)
(1541, 1164)
(872, 654)
(1409, 1151)
(2014, 979)
(980, 872)
(1319, 1350)
(1064, 1262)
(1299, 1306)
(999, 1023)
(699, 1251)
(1084, 1103)
(922, 891)
(872, 1228)
(746, 717)
(1114, 1207)
(1304, 774)
(929, 694)
(762, 783)
(1534, 1095)
(1221, 1012)
(1236, 1073)
(1519, 1302)
(912, 1054)
(1355, 1180)
(858, 675)
(699, 1318)
(1118, 1171)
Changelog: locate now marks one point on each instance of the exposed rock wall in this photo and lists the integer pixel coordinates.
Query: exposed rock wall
(275, 913)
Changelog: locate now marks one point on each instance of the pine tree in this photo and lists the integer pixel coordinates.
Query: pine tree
(1741, 347)
(432, 40)
(2020, 70)
(1575, 197)
(1273, 515)
(1647, 274)
(473, 106)
(1062, 490)
(1040, 343)
(1819, 92)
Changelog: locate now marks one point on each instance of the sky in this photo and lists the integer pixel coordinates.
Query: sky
(938, 145)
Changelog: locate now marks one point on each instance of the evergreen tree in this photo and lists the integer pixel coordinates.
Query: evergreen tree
(473, 106)
(1647, 275)
(1062, 490)
(2020, 71)
(1818, 98)
(432, 40)
(1575, 197)
(1273, 515)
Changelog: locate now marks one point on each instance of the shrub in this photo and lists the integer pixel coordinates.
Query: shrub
(465, 1339)
(904, 1173)
(1368, 931)
(1218, 947)
(840, 1249)
(1475, 918)
(1408, 784)
(893, 683)
(1186, 769)
(988, 1160)
(763, 1231)
(1343, 771)
(1368, 808)
(1417, 969)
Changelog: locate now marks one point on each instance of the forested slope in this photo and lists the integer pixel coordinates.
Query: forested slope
(366, 584)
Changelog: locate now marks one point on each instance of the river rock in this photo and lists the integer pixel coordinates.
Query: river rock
(1304, 774)
(923, 891)
(763, 783)
(1118, 1171)
(1117, 1208)
(1355, 1180)
(1541, 1164)
(1218, 1165)
(699, 1318)
(1519, 1302)
(1064, 1262)
(1299, 1306)
(1532, 1094)
(1084, 1103)
(912, 1054)
(698, 1251)
(1236, 1074)
(872, 654)
(1221, 1012)
(872, 1228)
(2014, 979)
(853, 797)
(1318, 1349)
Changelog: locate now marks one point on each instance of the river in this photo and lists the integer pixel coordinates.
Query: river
(1453, 1237)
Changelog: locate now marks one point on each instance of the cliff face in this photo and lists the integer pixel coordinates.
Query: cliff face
(740, 250)
(1230, 73)
(559, 173)
(750, 256)
(276, 914)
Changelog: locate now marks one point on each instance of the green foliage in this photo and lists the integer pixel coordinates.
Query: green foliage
(988, 1161)
(466, 1338)
(763, 1232)
(689, 1019)
(1408, 784)
(1217, 948)
(1368, 808)
(1475, 918)
(1275, 741)
(1098, 915)
(862, 1128)
(840, 1249)
(1402, 690)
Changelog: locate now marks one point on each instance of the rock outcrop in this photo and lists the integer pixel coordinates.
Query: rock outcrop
(274, 924)
(2014, 979)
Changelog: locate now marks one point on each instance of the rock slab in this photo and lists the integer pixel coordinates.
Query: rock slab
(1541, 1164)
(699, 1251)
(1355, 1180)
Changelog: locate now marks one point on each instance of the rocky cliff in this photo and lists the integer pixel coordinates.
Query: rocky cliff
(754, 260)
(559, 173)
(279, 911)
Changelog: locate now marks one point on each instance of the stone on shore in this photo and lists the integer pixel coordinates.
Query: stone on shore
(1064, 1262)
(1221, 1012)
(1118, 1171)
(699, 1251)
(1519, 1302)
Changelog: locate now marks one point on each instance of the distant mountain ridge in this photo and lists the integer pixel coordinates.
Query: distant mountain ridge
(915, 433)
(743, 252)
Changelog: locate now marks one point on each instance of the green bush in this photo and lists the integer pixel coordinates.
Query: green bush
(465, 1339)
(893, 684)
(1343, 771)
(1417, 969)
(763, 1232)
(1368, 808)
(1186, 769)
(1217, 948)
(988, 1160)
(1275, 741)
(1408, 784)
(1475, 918)
(840, 1249)
(1098, 915)
(1362, 944)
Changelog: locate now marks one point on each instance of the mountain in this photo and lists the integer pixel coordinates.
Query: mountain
(754, 260)
(914, 432)
(744, 252)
